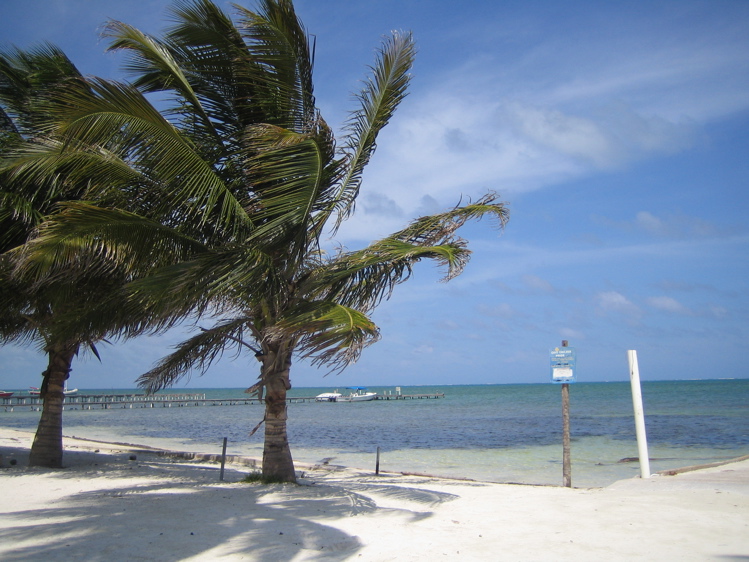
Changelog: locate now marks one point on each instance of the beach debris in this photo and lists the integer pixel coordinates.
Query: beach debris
(11, 462)
(133, 457)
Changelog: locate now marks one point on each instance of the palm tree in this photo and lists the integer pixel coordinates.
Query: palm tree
(233, 186)
(32, 314)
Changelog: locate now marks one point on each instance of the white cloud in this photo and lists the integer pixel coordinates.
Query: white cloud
(674, 226)
(537, 284)
(564, 134)
(577, 99)
(718, 311)
(379, 204)
(668, 304)
(612, 301)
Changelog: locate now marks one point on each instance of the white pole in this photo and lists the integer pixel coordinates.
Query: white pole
(642, 438)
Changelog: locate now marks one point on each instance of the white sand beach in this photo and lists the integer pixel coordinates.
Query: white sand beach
(126, 503)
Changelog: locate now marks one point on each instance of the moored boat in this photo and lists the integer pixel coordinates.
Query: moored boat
(5, 394)
(358, 394)
(328, 397)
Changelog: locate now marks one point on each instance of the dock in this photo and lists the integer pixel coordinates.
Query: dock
(108, 401)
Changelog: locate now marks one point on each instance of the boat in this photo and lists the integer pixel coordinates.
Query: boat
(328, 396)
(358, 394)
(5, 394)
(34, 391)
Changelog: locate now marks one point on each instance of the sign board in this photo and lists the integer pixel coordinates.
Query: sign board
(563, 364)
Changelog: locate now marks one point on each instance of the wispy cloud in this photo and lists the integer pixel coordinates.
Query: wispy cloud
(672, 225)
(535, 283)
(612, 301)
(626, 89)
(668, 304)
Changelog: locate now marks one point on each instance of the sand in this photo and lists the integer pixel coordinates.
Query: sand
(128, 503)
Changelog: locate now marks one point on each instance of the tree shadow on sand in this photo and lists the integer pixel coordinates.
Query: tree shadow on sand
(147, 521)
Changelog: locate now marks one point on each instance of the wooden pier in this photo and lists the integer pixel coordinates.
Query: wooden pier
(109, 401)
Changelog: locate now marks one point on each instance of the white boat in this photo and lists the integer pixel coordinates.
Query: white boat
(34, 391)
(328, 397)
(358, 394)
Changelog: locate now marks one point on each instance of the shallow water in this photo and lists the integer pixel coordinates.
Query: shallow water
(501, 433)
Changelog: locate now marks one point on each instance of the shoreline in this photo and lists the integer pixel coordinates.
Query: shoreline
(159, 506)
(69, 441)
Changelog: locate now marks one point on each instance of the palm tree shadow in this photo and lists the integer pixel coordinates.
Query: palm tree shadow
(266, 522)
(142, 523)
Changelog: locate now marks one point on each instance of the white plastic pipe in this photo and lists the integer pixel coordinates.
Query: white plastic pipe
(642, 438)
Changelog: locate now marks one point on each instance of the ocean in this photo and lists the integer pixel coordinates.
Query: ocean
(496, 433)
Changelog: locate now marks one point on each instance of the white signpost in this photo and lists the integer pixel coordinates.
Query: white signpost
(642, 438)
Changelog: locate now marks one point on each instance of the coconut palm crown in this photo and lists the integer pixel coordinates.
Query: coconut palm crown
(215, 204)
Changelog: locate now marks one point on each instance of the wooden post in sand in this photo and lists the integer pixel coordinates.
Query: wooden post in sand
(642, 438)
(377, 463)
(223, 461)
(566, 456)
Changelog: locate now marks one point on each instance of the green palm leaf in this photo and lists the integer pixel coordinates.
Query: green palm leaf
(196, 353)
(380, 96)
(328, 332)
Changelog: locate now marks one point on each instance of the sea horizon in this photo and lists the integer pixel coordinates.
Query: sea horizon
(388, 386)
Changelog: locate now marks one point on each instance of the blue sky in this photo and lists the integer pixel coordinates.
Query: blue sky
(617, 132)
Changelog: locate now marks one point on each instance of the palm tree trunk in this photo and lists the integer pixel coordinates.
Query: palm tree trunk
(278, 465)
(46, 449)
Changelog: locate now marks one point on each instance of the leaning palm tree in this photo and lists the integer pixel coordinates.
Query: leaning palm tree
(29, 80)
(233, 187)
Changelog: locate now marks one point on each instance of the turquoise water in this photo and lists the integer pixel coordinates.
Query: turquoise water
(500, 433)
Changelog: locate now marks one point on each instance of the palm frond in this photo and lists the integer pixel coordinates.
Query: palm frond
(288, 171)
(18, 216)
(149, 140)
(84, 239)
(155, 67)
(29, 80)
(225, 280)
(280, 63)
(379, 98)
(365, 277)
(194, 354)
(46, 171)
(327, 332)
